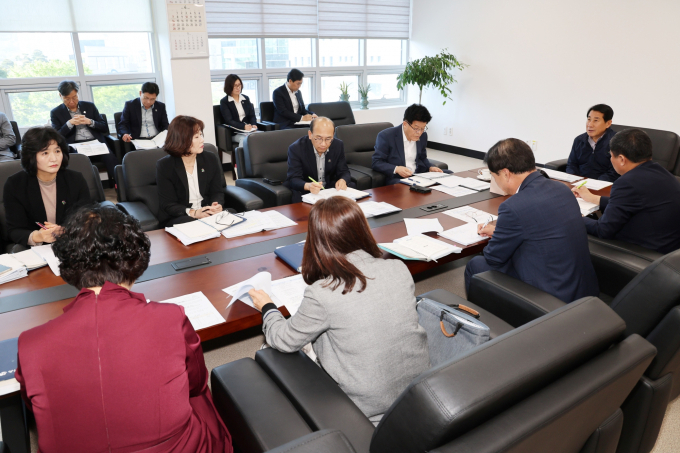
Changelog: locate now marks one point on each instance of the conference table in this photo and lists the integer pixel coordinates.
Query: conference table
(40, 297)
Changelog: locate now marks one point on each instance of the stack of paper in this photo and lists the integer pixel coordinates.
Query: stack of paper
(451, 181)
(587, 207)
(287, 292)
(46, 253)
(561, 176)
(419, 247)
(454, 191)
(222, 220)
(327, 193)
(157, 142)
(432, 175)
(193, 232)
(30, 259)
(375, 208)
(475, 184)
(256, 222)
(200, 311)
(11, 269)
(464, 234)
(419, 226)
(594, 184)
(91, 148)
(417, 181)
(471, 215)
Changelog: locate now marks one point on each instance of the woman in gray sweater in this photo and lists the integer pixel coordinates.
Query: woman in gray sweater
(359, 311)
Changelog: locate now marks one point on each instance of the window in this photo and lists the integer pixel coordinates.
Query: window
(340, 52)
(305, 89)
(113, 53)
(111, 98)
(288, 52)
(385, 52)
(330, 87)
(249, 89)
(234, 53)
(32, 108)
(24, 55)
(383, 86)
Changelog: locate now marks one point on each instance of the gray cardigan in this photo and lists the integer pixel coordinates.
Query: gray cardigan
(370, 343)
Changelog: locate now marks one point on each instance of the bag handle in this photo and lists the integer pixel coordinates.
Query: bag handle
(466, 309)
(441, 325)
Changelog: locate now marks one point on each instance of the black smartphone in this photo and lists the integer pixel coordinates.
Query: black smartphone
(420, 189)
(191, 262)
(272, 182)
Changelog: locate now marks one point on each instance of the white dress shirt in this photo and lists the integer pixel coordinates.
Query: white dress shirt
(410, 153)
(195, 197)
(293, 99)
(239, 107)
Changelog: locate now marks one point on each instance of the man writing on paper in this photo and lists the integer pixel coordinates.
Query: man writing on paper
(539, 237)
(589, 155)
(317, 161)
(289, 108)
(401, 151)
(644, 205)
(7, 138)
(143, 117)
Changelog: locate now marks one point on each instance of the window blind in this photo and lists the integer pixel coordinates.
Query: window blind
(364, 18)
(75, 16)
(261, 18)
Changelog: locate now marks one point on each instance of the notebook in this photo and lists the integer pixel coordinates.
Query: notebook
(151, 143)
(420, 247)
(375, 208)
(353, 194)
(8, 366)
(464, 234)
(292, 255)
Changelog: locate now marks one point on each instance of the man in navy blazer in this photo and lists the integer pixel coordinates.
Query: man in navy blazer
(289, 108)
(589, 155)
(143, 117)
(319, 157)
(401, 151)
(539, 237)
(644, 204)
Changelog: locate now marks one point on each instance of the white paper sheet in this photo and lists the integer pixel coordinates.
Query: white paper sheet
(422, 182)
(327, 193)
(302, 123)
(279, 220)
(18, 270)
(374, 208)
(587, 207)
(45, 251)
(464, 234)
(454, 191)
(470, 215)
(157, 142)
(200, 311)
(418, 226)
(221, 220)
(91, 148)
(475, 184)
(257, 222)
(262, 280)
(594, 184)
(561, 176)
(30, 259)
(451, 181)
(186, 240)
(195, 229)
(433, 249)
(433, 175)
(289, 292)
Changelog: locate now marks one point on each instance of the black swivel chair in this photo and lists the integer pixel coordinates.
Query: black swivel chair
(125, 146)
(340, 112)
(16, 147)
(538, 388)
(267, 113)
(139, 192)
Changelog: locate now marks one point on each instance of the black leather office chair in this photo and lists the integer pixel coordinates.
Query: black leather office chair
(538, 388)
(267, 113)
(359, 140)
(16, 147)
(139, 192)
(650, 306)
(125, 146)
(340, 112)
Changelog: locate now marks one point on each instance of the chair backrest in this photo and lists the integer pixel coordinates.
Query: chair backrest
(108, 131)
(15, 147)
(139, 177)
(116, 121)
(266, 111)
(266, 155)
(7, 169)
(665, 147)
(340, 112)
(359, 141)
(81, 163)
(217, 115)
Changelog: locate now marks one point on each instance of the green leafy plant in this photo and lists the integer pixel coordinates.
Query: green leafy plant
(436, 72)
(344, 89)
(363, 90)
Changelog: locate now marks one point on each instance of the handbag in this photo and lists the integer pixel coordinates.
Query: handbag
(452, 330)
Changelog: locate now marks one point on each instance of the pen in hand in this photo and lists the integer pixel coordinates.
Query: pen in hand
(582, 184)
(312, 179)
(41, 225)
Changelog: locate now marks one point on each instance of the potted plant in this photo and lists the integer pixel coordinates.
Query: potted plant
(435, 72)
(363, 92)
(344, 91)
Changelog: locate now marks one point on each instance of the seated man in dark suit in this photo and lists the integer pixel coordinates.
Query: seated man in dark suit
(319, 157)
(401, 151)
(79, 121)
(143, 117)
(539, 237)
(644, 204)
(289, 108)
(589, 155)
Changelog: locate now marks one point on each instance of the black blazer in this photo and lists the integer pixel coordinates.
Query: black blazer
(173, 185)
(60, 116)
(24, 205)
(131, 118)
(302, 164)
(230, 114)
(283, 107)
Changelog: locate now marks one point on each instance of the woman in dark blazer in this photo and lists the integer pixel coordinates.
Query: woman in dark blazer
(236, 108)
(189, 180)
(115, 373)
(45, 191)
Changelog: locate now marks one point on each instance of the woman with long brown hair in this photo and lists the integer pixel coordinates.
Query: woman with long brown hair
(359, 310)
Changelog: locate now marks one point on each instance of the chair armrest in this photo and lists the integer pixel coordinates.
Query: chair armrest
(223, 135)
(139, 211)
(257, 413)
(116, 145)
(616, 263)
(120, 186)
(667, 342)
(438, 164)
(239, 162)
(317, 398)
(268, 126)
(271, 196)
(106, 204)
(241, 200)
(325, 440)
(377, 178)
(512, 300)
(361, 180)
(559, 165)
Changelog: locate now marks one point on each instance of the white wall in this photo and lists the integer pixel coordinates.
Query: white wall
(536, 66)
(392, 115)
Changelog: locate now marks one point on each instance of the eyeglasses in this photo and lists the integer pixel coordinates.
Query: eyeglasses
(223, 218)
(417, 130)
(480, 217)
(327, 140)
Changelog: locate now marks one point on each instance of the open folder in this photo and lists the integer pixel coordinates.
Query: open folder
(151, 143)
(419, 247)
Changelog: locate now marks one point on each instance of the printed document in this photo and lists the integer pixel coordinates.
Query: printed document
(419, 226)
(594, 184)
(375, 208)
(288, 291)
(454, 191)
(327, 193)
(587, 207)
(451, 181)
(432, 175)
(471, 215)
(561, 176)
(417, 181)
(464, 234)
(45, 251)
(200, 311)
(151, 143)
(91, 148)
(257, 222)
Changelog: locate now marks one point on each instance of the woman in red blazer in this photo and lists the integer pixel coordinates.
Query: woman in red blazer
(115, 373)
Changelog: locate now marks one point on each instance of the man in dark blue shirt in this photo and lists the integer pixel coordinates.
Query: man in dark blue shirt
(644, 205)
(589, 155)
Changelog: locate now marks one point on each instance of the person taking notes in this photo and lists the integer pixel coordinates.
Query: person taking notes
(143, 117)
(589, 155)
(539, 237)
(644, 204)
(237, 110)
(289, 108)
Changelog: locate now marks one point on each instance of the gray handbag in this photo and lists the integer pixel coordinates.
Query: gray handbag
(451, 330)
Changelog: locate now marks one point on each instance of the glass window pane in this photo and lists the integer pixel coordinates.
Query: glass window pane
(36, 55)
(249, 89)
(234, 53)
(305, 89)
(32, 108)
(339, 52)
(385, 52)
(383, 86)
(288, 52)
(111, 53)
(330, 88)
(110, 99)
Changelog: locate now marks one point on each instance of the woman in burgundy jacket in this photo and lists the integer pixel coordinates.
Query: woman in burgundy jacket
(115, 373)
